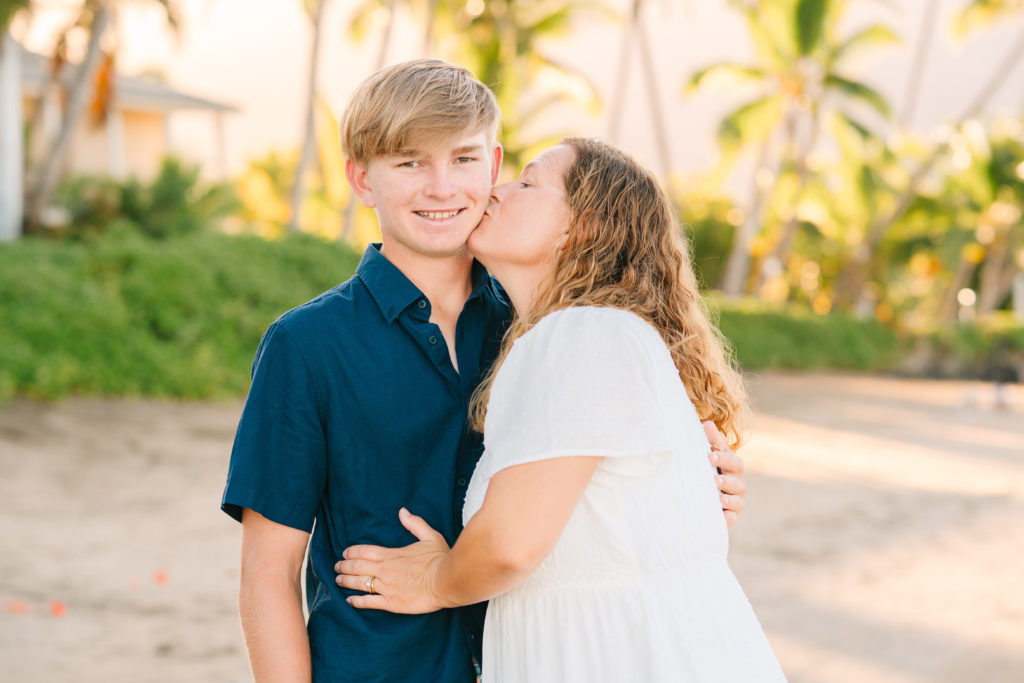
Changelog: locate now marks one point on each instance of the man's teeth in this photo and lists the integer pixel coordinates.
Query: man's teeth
(438, 215)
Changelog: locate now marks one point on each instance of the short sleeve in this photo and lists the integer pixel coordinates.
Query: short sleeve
(278, 462)
(581, 382)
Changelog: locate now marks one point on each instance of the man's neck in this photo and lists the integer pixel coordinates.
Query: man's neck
(445, 281)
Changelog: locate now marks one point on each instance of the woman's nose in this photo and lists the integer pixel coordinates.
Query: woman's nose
(498, 192)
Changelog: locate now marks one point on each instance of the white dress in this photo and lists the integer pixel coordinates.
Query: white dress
(637, 587)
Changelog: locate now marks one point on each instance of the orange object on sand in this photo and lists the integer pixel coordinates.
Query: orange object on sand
(160, 577)
(58, 609)
(16, 607)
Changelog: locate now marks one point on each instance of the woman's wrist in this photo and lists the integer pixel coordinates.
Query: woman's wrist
(437, 583)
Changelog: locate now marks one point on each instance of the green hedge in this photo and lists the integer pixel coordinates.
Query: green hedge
(992, 350)
(181, 317)
(125, 315)
(791, 337)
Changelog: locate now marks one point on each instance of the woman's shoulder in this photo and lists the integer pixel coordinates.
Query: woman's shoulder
(593, 324)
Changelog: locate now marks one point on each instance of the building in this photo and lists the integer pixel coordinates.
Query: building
(130, 140)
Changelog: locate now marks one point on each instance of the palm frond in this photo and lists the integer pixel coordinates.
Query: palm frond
(750, 123)
(982, 13)
(858, 91)
(810, 24)
(725, 70)
(872, 36)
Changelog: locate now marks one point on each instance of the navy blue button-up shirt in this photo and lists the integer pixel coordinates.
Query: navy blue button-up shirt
(355, 410)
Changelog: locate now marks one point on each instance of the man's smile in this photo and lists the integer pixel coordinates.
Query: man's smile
(441, 215)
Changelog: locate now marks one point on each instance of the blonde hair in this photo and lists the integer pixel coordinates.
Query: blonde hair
(402, 104)
(625, 251)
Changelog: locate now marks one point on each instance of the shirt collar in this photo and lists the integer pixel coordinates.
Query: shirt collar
(393, 291)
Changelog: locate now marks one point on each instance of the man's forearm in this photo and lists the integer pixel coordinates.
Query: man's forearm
(270, 606)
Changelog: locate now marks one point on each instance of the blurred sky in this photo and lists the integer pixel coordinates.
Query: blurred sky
(254, 54)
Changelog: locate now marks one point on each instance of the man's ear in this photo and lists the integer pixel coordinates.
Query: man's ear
(496, 156)
(360, 183)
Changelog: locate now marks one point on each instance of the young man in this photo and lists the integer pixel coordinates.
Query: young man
(360, 397)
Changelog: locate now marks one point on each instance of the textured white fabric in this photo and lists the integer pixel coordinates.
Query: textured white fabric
(637, 587)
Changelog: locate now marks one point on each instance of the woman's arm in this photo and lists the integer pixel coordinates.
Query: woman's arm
(523, 515)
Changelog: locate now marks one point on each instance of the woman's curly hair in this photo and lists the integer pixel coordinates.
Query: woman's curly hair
(625, 251)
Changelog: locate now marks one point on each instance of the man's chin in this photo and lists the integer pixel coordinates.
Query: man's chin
(451, 251)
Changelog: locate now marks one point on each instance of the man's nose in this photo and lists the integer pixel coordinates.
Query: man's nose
(441, 184)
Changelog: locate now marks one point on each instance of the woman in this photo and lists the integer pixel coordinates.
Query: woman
(593, 522)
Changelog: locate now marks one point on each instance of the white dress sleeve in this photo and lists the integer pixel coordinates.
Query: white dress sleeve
(581, 382)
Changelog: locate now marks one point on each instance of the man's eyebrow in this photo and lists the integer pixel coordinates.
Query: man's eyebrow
(467, 149)
(408, 152)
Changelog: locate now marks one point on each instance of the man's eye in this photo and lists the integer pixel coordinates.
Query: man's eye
(465, 160)
(409, 164)
(524, 184)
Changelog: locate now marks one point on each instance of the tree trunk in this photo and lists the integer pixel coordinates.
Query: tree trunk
(385, 41)
(961, 278)
(78, 98)
(309, 134)
(737, 266)
(348, 224)
(618, 93)
(785, 242)
(854, 274)
(654, 99)
(12, 163)
(924, 41)
(428, 28)
(997, 274)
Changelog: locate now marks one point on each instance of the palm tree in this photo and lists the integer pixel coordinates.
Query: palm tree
(96, 17)
(975, 14)
(802, 85)
(501, 46)
(924, 41)
(499, 43)
(362, 18)
(314, 9)
(635, 33)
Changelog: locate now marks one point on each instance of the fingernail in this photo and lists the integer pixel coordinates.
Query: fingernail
(348, 600)
(344, 553)
(337, 566)
(715, 457)
(719, 480)
(403, 511)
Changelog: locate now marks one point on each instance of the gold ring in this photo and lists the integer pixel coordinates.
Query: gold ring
(369, 585)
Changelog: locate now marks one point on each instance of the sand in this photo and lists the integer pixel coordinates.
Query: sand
(883, 538)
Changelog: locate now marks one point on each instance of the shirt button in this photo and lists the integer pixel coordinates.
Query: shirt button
(422, 303)
(462, 481)
(432, 340)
